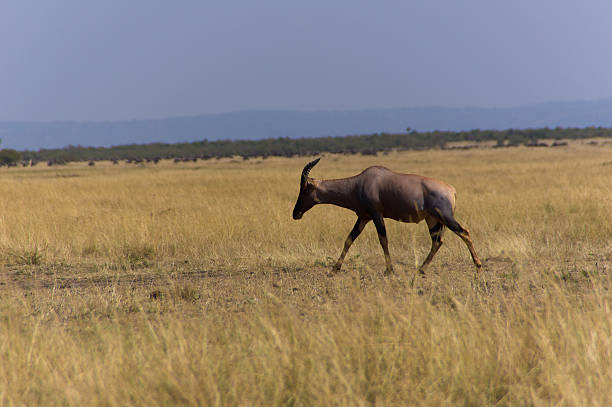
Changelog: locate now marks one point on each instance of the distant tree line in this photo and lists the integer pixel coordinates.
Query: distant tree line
(287, 147)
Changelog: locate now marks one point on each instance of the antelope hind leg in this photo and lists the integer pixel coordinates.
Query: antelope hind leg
(436, 231)
(464, 234)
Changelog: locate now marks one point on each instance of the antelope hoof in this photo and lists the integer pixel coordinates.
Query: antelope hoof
(389, 271)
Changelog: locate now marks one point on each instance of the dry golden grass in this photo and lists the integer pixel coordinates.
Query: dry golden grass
(190, 284)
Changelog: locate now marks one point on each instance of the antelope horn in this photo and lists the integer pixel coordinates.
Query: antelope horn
(307, 169)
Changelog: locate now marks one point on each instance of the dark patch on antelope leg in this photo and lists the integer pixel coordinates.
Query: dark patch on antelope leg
(455, 226)
(435, 232)
(357, 229)
(359, 225)
(435, 228)
(382, 238)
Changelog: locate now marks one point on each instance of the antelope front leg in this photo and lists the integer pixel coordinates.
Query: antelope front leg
(359, 225)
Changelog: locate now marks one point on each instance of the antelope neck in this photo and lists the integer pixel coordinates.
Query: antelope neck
(338, 192)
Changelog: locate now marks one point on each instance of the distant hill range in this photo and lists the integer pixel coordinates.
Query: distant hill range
(295, 124)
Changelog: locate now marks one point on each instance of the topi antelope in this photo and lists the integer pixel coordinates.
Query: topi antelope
(379, 193)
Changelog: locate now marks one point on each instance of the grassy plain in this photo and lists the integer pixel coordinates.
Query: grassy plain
(190, 284)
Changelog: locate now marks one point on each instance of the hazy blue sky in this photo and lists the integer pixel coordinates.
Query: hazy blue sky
(109, 59)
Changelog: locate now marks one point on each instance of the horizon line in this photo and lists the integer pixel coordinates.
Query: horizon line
(307, 111)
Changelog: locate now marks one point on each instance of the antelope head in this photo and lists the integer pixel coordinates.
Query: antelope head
(306, 198)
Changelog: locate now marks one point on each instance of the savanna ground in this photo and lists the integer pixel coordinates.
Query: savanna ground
(190, 284)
